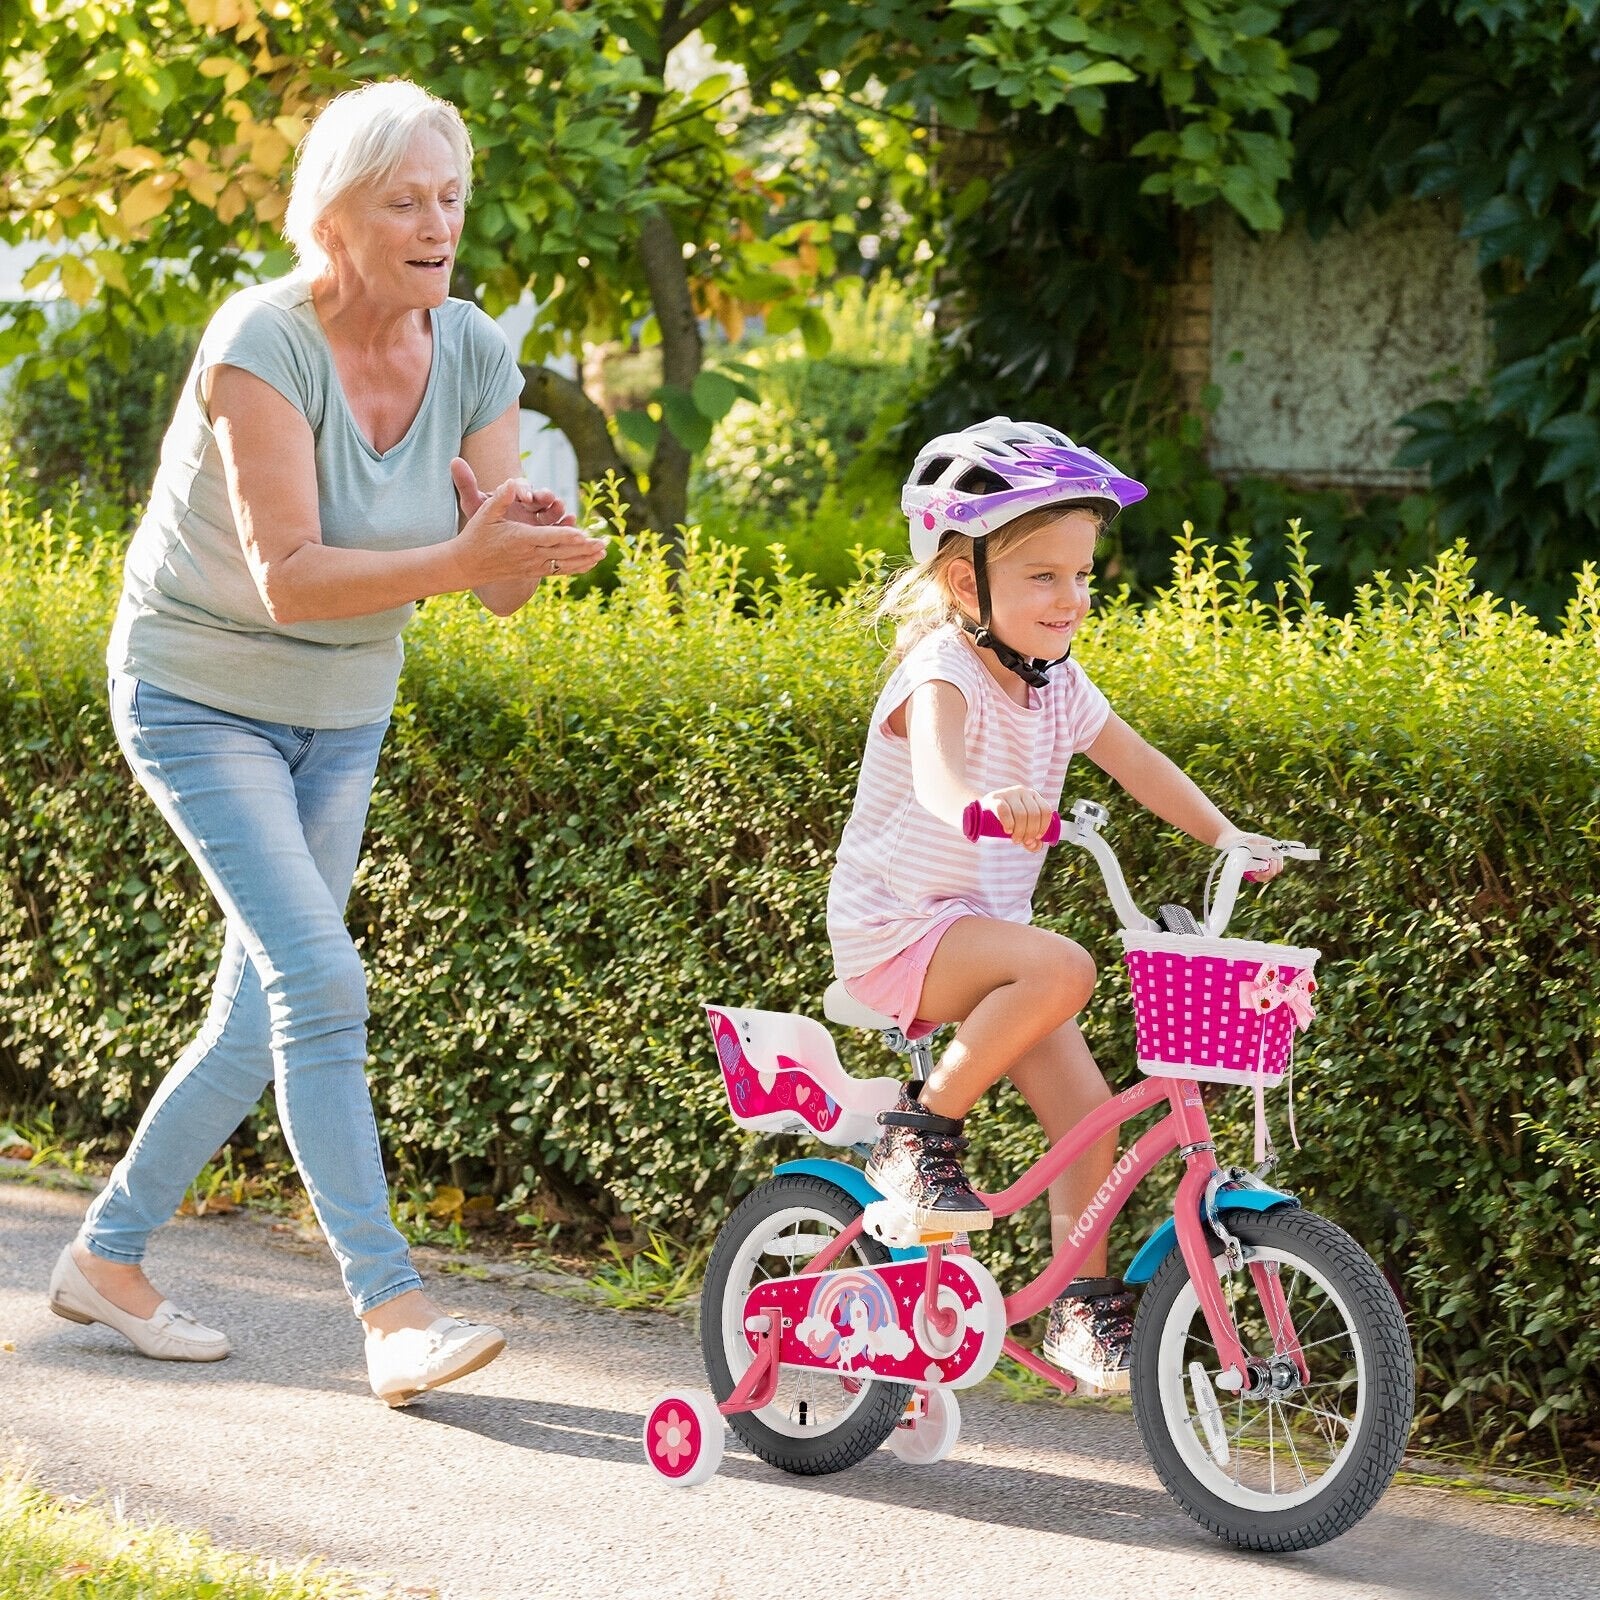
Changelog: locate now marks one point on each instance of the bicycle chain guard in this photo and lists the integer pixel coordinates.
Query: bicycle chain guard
(873, 1322)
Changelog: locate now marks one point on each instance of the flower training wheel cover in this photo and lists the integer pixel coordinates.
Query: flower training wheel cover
(683, 1436)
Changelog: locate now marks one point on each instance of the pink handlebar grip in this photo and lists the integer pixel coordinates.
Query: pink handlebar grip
(977, 824)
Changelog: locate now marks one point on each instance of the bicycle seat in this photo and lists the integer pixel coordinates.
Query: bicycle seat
(839, 1005)
(783, 1075)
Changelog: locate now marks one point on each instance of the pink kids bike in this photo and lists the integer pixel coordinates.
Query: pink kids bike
(1272, 1374)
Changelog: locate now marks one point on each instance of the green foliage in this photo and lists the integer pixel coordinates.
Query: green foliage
(150, 145)
(557, 97)
(803, 460)
(565, 862)
(1224, 74)
(659, 1276)
(1219, 70)
(1494, 108)
(1063, 271)
(96, 424)
(50, 1550)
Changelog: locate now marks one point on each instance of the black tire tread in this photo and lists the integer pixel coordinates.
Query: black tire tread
(884, 1404)
(1392, 1379)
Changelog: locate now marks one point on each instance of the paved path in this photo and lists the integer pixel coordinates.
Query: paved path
(527, 1479)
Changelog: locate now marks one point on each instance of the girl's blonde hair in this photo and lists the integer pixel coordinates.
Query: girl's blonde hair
(920, 599)
(360, 138)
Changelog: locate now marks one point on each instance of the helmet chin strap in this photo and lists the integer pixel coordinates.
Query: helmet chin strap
(1033, 670)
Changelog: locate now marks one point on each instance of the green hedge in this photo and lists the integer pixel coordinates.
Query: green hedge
(594, 818)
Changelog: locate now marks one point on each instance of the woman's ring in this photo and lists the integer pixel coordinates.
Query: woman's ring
(555, 565)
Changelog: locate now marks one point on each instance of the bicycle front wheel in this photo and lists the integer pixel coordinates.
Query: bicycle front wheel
(1306, 1449)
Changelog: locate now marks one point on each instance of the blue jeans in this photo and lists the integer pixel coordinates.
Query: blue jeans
(273, 817)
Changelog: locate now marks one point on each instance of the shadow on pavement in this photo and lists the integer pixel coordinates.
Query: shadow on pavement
(1044, 1502)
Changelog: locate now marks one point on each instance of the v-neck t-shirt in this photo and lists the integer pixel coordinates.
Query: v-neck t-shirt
(900, 871)
(191, 620)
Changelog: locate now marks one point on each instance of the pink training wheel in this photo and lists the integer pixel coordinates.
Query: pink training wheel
(683, 1436)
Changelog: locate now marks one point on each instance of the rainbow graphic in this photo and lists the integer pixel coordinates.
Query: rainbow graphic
(832, 1304)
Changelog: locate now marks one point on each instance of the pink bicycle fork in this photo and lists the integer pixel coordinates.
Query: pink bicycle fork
(1184, 1129)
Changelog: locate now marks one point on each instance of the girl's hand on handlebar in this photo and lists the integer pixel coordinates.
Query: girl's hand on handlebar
(1266, 861)
(1024, 814)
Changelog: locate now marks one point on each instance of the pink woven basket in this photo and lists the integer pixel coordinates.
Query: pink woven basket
(1223, 1010)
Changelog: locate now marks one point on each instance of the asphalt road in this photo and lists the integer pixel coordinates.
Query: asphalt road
(528, 1479)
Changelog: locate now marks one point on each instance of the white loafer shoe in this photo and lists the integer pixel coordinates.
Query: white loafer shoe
(168, 1334)
(402, 1365)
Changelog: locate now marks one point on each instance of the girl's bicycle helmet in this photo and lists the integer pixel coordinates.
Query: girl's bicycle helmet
(976, 481)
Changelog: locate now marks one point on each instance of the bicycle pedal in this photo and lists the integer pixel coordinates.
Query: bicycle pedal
(889, 1225)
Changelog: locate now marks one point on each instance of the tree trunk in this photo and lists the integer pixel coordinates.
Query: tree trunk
(682, 354)
(588, 431)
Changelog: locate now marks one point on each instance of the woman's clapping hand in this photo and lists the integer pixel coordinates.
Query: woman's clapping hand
(518, 532)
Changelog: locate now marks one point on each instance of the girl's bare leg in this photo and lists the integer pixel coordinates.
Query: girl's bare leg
(1060, 1081)
(1015, 990)
(1010, 986)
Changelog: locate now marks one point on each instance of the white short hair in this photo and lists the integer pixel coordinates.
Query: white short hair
(360, 138)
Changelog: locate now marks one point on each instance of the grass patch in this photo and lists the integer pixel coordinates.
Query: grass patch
(660, 1275)
(34, 1140)
(54, 1550)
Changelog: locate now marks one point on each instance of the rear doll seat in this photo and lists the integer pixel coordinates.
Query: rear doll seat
(783, 1074)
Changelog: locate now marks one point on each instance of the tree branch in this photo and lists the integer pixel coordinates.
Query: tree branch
(673, 33)
(563, 400)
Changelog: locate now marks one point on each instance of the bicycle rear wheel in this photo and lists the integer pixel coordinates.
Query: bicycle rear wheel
(1300, 1456)
(818, 1422)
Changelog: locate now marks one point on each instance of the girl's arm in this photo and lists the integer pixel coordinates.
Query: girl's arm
(1159, 784)
(934, 721)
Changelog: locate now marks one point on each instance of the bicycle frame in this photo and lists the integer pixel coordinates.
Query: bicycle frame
(1184, 1129)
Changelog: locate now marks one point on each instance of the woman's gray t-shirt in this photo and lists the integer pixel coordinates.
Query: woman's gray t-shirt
(191, 620)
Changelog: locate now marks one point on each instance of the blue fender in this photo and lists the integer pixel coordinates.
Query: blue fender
(1164, 1240)
(852, 1180)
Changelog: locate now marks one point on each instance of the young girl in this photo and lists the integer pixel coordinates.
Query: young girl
(985, 707)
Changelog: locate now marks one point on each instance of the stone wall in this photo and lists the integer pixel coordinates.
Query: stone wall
(1315, 347)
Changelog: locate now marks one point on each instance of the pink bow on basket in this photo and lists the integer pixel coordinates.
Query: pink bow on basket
(1267, 991)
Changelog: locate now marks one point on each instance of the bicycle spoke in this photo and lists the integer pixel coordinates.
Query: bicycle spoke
(1310, 1321)
(1245, 1427)
(1315, 1344)
(1321, 1411)
(1288, 1437)
(1328, 1383)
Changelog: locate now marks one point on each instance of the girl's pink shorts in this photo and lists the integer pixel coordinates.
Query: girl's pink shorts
(894, 987)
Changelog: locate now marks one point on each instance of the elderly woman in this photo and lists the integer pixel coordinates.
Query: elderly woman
(320, 476)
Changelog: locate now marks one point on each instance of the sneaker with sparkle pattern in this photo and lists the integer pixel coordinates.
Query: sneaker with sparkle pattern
(917, 1164)
(1091, 1333)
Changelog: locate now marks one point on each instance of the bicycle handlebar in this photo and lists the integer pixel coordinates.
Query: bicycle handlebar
(1084, 829)
(978, 823)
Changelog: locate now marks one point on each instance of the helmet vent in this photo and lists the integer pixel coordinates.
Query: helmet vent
(934, 469)
(979, 480)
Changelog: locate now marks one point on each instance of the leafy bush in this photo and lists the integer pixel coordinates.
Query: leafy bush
(97, 425)
(575, 842)
(806, 465)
